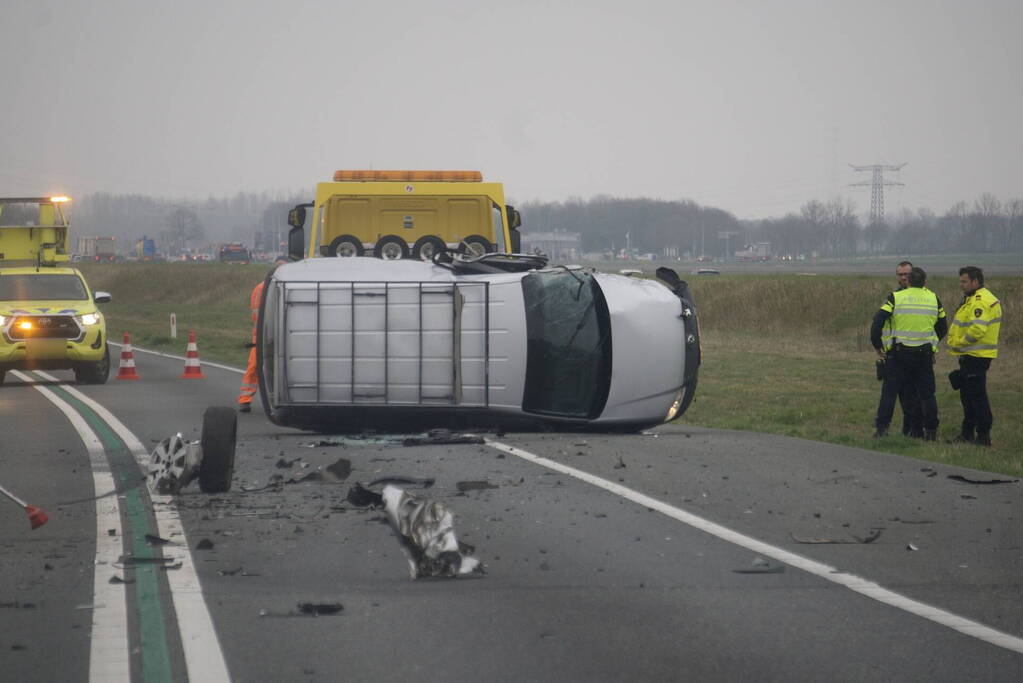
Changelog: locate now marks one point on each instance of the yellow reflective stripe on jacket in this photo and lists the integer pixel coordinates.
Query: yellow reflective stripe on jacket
(975, 327)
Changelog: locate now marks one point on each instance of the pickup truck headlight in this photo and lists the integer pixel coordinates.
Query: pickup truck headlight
(89, 318)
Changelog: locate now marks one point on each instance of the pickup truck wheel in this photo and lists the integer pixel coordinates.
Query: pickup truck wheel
(477, 245)
(426, 247)
(94, 373)
(391, 248)
(3, 373)
(345, 246)
(219, 434)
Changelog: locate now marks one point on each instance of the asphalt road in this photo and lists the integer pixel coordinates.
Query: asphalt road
(678, 554)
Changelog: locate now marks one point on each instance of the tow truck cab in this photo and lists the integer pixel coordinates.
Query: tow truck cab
(48, 313)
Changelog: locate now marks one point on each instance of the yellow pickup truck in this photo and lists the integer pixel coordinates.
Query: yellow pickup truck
(48, 313)
(403, 214)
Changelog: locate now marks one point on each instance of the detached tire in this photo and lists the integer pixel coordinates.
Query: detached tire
(345, 246)
(477, 245)
(219, 434)
(94, 373)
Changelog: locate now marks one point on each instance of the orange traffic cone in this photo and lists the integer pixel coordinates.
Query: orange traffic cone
(192, 368)
(126, 370)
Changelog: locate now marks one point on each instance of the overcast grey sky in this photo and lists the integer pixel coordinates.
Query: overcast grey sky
(752, 106)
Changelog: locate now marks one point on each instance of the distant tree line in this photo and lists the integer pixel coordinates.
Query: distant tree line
(824, 229)
(605, 224)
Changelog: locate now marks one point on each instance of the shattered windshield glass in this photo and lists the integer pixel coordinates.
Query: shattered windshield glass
(568, 360)
(42, 288)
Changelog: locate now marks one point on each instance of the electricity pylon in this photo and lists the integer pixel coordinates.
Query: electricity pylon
(877, 184)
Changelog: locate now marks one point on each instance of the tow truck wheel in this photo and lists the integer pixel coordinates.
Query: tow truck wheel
(426, 247)
(219, 434)
(477, 245)
(391, 248)
(94, 373)
(345, 246)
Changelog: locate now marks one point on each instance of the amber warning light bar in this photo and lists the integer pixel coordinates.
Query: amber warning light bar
(410, 176)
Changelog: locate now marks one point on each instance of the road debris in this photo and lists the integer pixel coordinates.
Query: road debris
(441, 436)
(464, 486)
(360, 496)
(238, 571)
(869, 538)
(426, 531)
(308, 609)
(204, 544)
(620, 465)
(959, 477)
(117, 579)
(339, 470)
(173, 464)
(761, 566)
(911, 546)
(154, 540)
(406, 481)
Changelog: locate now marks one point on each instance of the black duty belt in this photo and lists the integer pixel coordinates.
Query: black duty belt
(924, 348)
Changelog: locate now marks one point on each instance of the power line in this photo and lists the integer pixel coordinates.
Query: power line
(877, 184)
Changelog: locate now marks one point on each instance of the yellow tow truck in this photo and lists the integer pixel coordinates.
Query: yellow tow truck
(407, 214)
(48, 313)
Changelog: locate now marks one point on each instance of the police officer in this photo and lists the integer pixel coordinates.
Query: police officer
(912, 411)
(974, 339)
(917, 325)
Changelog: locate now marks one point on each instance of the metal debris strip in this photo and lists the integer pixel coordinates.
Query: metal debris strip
(132, 561)
(869, 538)
(425, 529)
(441, 436)
(965, 480)
(406, 481)
(319, 609)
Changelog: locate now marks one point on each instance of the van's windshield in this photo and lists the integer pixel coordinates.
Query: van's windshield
(568, 360)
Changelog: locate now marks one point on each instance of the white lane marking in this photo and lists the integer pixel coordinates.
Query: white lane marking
(108, 653)
(855, 583)
(181, 358)
(204, 659)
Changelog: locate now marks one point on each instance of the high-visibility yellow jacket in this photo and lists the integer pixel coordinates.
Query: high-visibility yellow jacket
(915, 312)
(975, 326)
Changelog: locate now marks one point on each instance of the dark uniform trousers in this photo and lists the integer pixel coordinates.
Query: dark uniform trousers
(908, 366)
(973, 394)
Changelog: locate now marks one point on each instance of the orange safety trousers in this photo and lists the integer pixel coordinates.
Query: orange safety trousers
(250, 382)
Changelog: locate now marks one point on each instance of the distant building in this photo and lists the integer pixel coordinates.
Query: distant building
(559, 246)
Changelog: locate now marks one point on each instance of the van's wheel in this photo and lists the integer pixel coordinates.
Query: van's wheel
(345, 246)
(94, 373)
(219, 434)
(476, 245)
(391, 248)
(426, 247)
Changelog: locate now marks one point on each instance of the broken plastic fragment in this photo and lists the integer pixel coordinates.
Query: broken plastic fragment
(319, 609)
(426, 531)
(475, 485)
(441, 436)
(360, 496)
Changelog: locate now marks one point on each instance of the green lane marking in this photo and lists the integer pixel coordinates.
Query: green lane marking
(156, 665)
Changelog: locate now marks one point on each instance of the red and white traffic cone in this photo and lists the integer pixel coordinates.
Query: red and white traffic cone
(192, 368)
(126, 370)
